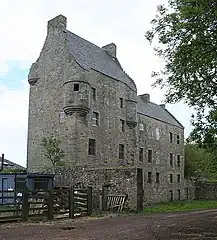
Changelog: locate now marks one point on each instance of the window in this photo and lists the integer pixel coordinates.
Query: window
(171, 137)
(157, 132)
(41, 183)
(178, 160)
(94, 93)
(171, 159)
(171, 195)
(122, 125)
(157, 177)
(141, 127)
(92, 147)
(76, 87)
(149, 177)
(141, 154)
(179, 194)
(121, 151)
(178, 139)
(61, 117)
(149, 155)
(121, 103)
(178, 178)
(20, 183)
(95, 118)
(171, 178)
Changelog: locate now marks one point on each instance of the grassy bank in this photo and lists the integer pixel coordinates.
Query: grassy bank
(181, 206)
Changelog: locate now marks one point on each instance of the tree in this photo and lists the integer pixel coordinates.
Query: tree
(199, 162)
(52, 150)
(186, 34)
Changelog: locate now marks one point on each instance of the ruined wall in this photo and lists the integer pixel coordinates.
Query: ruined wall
(206, 190)
(123, 181)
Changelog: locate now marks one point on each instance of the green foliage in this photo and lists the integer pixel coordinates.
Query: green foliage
(186, 36)
(178, 206)
(199, 162)
(12, 170)
(52, 151)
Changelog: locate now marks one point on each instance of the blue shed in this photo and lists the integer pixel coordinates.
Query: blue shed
(18, 181)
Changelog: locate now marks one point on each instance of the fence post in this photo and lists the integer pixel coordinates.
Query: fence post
(89, 201)
(71, 202)
(50, 214)
(25, 204)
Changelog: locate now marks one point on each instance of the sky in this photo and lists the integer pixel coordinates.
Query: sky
(23, 30)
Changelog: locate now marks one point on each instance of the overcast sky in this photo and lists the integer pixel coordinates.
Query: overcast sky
(23, 31)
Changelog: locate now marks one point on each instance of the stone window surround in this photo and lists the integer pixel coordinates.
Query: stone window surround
(171, 159)
(171, 178)
(93, 93)
(170, 137)
(122, 127)
(149, 177)
(157, 177)
(92, 147)
(150, 155)
(121, 102)
(178, 139)
(76, 87)
(121, 151)
(178, 160)
(141, 152)
(178, 178)
(95, 119)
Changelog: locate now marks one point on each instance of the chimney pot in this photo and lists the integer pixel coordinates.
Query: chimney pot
(145, 97)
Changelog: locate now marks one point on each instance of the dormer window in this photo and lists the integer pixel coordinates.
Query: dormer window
(76, 87)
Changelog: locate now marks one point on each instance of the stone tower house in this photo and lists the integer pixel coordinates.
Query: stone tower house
(80, 93)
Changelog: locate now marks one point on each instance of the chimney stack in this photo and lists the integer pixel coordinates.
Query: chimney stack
(145, 97)
(162, 105)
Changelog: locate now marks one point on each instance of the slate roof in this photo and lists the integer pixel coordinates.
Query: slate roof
(153, 110)
(11, 165)
(89, 56)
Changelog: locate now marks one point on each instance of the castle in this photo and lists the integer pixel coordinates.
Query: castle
(80, 92)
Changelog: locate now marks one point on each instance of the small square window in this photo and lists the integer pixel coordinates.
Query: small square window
(149, 177)
(122, 125)
(121, 151)
(92, 147)
(94, 93)
(141, 154)
(171, 159)
(171, 137)
(121, 103)
(178, 139)
(76, 87)
(157, 177)
(171, 178)
(178, 178)
(61, 117)
(95, 119)
(178, 160)
(149, 155)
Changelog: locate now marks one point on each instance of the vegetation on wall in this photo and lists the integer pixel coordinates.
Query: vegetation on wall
(52, 150)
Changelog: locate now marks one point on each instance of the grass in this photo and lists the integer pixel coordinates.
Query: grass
(180, 206)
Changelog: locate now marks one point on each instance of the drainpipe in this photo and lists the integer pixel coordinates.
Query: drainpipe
(2, 162)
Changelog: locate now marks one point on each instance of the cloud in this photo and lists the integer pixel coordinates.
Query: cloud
(13, 123)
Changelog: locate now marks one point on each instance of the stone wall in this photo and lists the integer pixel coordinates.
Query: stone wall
(122, 180)
(206, 191)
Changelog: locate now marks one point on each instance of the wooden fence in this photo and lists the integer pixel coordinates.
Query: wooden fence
(57, 203)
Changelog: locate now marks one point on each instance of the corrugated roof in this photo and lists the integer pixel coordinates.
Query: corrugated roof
(9, 164)
(153, 110)
(89, 56)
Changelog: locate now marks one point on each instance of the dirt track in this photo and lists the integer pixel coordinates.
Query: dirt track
(194, 225)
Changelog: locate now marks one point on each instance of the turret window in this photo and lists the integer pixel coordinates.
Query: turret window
(122, 125)
(121, 103)
(76, 87)
(94, 93)
(121, 151)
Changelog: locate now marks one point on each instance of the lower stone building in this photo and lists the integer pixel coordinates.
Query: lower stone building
(80, 93)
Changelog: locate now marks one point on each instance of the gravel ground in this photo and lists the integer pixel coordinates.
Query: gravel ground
(192, 225)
